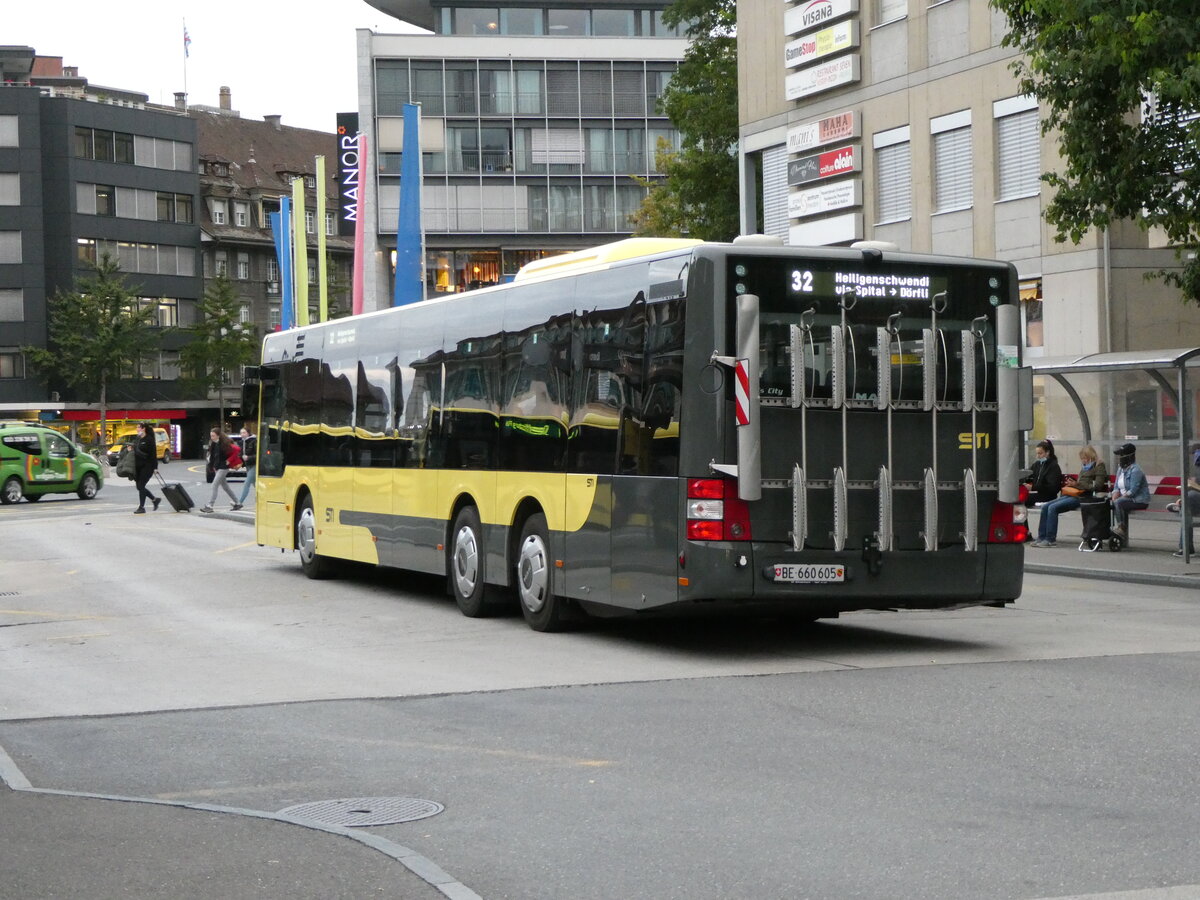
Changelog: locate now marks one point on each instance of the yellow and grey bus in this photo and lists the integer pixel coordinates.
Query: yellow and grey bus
(664, 425)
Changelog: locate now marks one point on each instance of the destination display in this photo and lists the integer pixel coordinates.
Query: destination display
(901, 285)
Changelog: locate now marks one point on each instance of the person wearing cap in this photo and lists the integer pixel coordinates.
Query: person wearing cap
(1131, 491)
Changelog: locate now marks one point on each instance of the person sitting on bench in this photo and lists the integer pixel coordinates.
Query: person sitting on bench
(1131, 491)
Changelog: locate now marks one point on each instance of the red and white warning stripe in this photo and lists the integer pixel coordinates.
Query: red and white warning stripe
(741, 392)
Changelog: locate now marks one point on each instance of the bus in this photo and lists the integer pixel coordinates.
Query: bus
(663, 425)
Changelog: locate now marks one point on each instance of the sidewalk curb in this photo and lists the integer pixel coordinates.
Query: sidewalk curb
(1188, 581)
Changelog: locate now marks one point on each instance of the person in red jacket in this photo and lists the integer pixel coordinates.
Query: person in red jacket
(219, 449)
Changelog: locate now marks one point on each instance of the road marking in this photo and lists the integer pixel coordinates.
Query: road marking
(75, 637)
(423, 867)
(74, 617)
(237, 547)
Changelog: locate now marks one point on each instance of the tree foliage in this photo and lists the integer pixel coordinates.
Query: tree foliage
(698, 194)
(220, 344)
(1120, 83)
(96, 333)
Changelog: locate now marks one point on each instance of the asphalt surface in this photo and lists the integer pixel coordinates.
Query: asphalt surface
(65, 844)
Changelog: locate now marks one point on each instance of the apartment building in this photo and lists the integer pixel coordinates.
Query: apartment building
(85, 171)
(245, 167)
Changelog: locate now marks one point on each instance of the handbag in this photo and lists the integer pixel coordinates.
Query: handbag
(126, 464)
(1071, 491)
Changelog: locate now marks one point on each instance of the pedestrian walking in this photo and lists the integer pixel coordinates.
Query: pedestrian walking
(250, 461)
(219, 449)
(145, 456)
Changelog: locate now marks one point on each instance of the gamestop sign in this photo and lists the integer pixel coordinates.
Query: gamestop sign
(825, 42)
(829, 164)
(815, 14)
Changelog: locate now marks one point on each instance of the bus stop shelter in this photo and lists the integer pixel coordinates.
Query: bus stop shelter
(1145, 397)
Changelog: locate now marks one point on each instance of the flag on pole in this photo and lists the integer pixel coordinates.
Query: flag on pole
(282, 234)
(322, 288)
(410, 237)
(187, 41)
(300, 257)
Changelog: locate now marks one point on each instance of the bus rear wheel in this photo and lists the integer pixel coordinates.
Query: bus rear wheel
(542, 608)
(314, 565)
(468, 565)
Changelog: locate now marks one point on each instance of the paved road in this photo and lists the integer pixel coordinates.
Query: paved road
(1045, 750)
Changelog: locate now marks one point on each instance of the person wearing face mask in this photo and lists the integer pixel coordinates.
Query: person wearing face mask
(1093, 476)
(1045, 478)
(1131, 491)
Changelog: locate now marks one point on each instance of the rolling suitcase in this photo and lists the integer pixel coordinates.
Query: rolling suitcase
(176, 495)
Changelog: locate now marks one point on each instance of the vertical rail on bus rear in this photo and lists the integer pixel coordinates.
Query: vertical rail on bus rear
(840, 334)
(748, 403)
(884, 400)
(931, 339)
(799, 340)
(1008, 332)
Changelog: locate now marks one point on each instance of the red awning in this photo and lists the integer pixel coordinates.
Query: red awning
(89, 415)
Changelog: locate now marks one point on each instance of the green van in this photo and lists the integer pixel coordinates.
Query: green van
(37, 460)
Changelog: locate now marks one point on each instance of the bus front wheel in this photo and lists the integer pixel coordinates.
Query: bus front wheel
(542, 608)
(468, 565)
(313, 564)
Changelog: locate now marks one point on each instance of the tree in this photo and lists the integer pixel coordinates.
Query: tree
(698, 194)
(220, 344)
(96, 333)
(1121, 88)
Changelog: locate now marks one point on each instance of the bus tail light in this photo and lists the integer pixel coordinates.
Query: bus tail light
(715, 512)
(1009, 521)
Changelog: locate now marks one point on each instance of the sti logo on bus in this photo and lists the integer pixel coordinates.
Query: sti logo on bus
(983, 440)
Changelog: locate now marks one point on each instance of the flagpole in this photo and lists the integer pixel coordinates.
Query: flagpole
(186, 40)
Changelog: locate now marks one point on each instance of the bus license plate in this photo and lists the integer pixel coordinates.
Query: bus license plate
(810, 574)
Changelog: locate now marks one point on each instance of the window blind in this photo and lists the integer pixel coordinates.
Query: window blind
(893, 177)
(952, 170)
(1018, 157)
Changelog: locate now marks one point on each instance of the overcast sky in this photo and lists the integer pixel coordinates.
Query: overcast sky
(276, 56)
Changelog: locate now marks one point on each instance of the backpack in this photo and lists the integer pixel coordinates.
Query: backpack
(235, 457)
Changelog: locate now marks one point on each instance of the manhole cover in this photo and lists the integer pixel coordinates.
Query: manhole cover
(356, 812)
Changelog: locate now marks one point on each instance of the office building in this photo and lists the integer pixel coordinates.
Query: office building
(539, 126)
(901, 121)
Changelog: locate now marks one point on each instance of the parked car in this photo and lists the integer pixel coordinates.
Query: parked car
(36, 460)
(162, 443)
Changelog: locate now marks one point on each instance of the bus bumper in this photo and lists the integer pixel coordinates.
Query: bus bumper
(826, 582)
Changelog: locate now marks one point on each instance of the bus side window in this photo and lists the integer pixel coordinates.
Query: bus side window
(271, 459)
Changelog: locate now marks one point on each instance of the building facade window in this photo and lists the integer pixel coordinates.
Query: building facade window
(220, 264)
(241, 214)
(1031, 315)
(10, 247)
(9, 131)
(274, 316)
(310, 181)
(890, 10)
(312, 271)
(12, 305)
(952, 164)
(12, 363)
(10, 189)
(272, 273)
(220, 212)
(893, 175)
(174, 207)
(330, 224)
(244, 314)
(310, 221)
(106, 200)
(1018, 155)
(243, 266)
(104, 145)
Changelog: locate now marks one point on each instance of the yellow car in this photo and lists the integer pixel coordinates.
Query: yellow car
(161, 440)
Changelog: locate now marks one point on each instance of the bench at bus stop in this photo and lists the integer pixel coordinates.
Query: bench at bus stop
(1164, 489)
